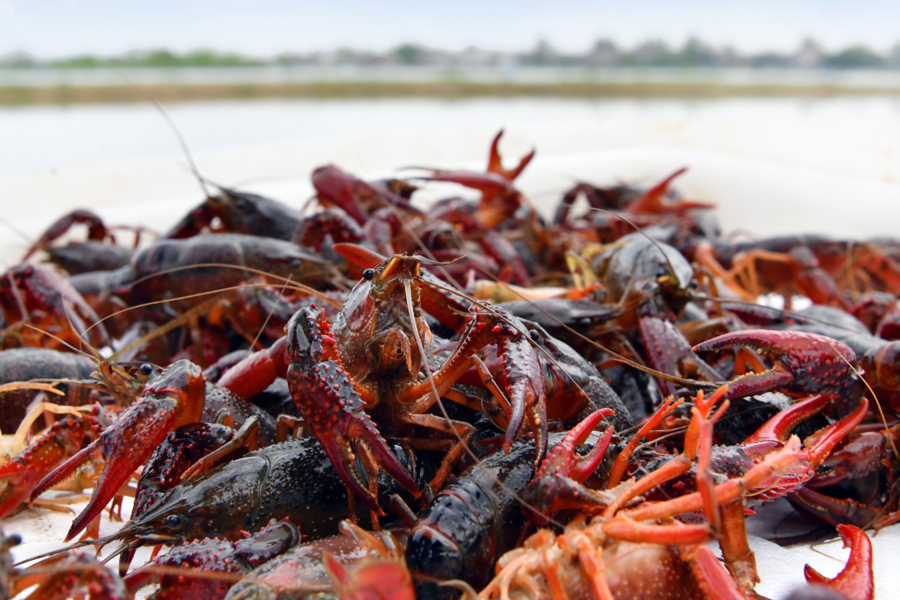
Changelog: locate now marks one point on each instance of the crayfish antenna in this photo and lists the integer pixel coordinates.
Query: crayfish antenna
(184, 148)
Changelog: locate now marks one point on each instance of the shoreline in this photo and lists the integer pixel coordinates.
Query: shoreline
(450, 90)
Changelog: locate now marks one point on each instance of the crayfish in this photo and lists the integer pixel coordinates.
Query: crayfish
(515, 406)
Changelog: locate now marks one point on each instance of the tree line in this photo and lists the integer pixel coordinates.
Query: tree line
(693, 53)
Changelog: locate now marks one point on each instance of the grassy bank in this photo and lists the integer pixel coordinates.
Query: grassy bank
(435, 89)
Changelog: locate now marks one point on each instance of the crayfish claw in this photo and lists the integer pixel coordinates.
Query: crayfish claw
(495, 164)
(857, 580)
(521, 380)
(803, 363)
(174, 399)
(329, 402)
(557, 484)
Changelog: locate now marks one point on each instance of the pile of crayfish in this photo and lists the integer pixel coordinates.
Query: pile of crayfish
(379, 399)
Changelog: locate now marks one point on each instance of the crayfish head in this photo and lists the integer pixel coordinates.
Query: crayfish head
(169, 520)
(376, 329)
(142, 531)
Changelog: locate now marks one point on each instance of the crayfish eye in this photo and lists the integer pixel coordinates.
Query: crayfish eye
(369, 274)
(174, 522)
(534, 335)
(146, 370)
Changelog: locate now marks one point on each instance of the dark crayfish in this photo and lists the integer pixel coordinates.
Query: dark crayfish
(292, 480)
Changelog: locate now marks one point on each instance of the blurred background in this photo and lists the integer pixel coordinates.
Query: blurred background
(779, 108)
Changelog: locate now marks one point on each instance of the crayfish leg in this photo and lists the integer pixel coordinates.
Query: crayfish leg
(740, 560)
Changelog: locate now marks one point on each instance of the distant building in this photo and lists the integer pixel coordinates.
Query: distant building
(809, 55)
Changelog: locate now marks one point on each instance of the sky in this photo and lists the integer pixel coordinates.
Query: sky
(53, 28)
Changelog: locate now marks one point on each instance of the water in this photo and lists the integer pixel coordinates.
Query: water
(774, 165)
(506, 73)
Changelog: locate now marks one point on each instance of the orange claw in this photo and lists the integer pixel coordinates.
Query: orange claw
(778, 429)
(856, 581)
(176, 398)
(621, 463)
(499, 199)
(563, 459)
(653, 200)
(557, 482)
(495, 165)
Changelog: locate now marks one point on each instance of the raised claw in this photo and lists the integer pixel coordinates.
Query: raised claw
(333, 408)
(802, 363)
(654, 201)
(495, 180)
(563, 460)
(557, 482)
(856, 581)
(499, 199)
(495, 164)
(174, 399)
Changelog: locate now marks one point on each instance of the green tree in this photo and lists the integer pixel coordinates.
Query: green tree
(697, 53)
(854, 57)
(409, 54)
